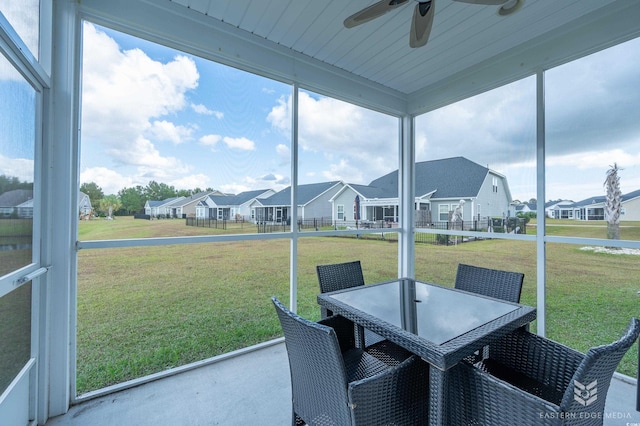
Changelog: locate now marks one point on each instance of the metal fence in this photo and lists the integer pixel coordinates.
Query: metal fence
(206, 222)
(317, 224)
(387, 228)
(514, 225)
(266, 227)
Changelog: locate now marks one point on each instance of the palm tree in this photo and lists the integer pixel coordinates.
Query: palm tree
(613, 203)
(109, 204)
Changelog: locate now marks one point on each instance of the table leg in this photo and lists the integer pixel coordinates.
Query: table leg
(437, 396)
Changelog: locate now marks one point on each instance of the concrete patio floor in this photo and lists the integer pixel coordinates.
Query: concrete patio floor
(250, 389)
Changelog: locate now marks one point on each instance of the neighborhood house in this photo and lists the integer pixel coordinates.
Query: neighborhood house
(18, 203)
(441, 187)
(592, 208)
(226, 207)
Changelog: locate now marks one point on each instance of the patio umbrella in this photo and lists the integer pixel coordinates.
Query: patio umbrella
(356, 208)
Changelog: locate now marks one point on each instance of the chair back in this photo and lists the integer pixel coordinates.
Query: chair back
(339, 276)
(505, 285)
(588, 388)
(318, 377)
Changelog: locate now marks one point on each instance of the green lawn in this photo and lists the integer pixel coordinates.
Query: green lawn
(142, 310)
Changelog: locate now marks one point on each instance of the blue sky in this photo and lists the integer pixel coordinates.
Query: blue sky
(209, 125)
(153, 113)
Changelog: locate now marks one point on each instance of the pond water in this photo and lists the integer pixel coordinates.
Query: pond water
(19, 246)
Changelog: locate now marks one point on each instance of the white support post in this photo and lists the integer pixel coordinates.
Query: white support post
(406, 190)
(293, 270)
(540, 212)
(61, 156)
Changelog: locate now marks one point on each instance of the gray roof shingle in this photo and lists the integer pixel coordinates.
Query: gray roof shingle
(236, 200)
(306, 193)
(454, 177)
(15, 197)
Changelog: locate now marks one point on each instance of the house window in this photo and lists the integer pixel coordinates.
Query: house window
(478, 209)
(495, 184)
(443, 212)
(340, 211)
(253, 213)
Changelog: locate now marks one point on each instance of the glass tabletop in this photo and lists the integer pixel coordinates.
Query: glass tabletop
(435, 313)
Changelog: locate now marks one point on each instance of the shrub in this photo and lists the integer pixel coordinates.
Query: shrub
(442, 239)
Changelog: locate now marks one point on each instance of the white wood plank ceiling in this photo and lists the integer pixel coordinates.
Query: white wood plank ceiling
(463, 36)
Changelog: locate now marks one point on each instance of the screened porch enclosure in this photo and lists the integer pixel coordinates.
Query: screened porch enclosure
(371, 222)
(119, 303)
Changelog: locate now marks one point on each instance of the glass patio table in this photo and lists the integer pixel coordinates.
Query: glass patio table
(442, 325)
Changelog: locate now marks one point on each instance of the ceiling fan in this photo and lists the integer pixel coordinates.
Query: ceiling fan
(422, 15)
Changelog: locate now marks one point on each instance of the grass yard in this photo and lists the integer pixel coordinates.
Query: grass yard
(15, 335)
(145, 309)
(591, 229)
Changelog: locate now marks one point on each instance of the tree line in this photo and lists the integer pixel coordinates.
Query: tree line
(132, 200)
(10, 183)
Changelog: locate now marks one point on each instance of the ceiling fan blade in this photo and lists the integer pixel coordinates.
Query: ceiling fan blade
(421, 23)
(372, 12)
(485, 2)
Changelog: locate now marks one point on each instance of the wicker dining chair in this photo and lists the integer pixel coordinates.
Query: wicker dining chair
(505, 285)
(340, 276)
(335, 383)
(531, 380)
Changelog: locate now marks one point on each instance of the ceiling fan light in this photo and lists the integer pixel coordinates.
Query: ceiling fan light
(510, 7)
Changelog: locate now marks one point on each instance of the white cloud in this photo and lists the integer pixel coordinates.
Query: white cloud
(163, 130)
(343, 171)
(327, 124)
(143, 153)
(210, 140)
(109, 180)
(21, 168)
(595, 159)
(247, 183)
(123, 93)
(343, 133)
(497, 127)
(242, 144)
(198, 180)
(280, 115)
(202, 109)
(24, 18)
(284, 153)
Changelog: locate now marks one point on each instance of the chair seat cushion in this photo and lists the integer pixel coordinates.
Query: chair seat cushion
(521, 381)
